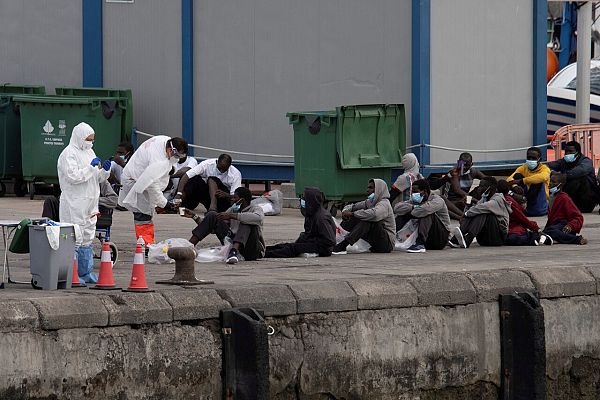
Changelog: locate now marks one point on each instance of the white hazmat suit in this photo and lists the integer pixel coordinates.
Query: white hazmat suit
(80, 185)
(144, 178)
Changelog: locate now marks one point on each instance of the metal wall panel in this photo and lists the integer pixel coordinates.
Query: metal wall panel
(481, 77)
(142, 52)
(255, 60)
(40, 42)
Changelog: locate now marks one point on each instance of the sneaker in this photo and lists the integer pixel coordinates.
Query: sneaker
(416, 248)
(233, 257)
(453, 243)
(458, 235)
(340, 248)
(545, 239)
(582, 241)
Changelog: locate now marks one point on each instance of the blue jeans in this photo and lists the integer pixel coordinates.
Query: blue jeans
(85, 264)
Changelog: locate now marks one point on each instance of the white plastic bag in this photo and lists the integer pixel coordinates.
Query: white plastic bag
(407, 236)
(157, 253)
(271, 202)
(340, 233)
(214, 254)
(361, 246)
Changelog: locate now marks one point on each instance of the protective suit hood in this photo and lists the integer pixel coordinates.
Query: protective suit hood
(314, 200)
(80, 132)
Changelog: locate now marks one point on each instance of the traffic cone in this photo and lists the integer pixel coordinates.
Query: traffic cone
(138, 275)
(106, 281)
(75, 282)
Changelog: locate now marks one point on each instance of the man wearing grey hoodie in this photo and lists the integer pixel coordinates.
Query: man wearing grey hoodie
(487, 220)
(371, 220)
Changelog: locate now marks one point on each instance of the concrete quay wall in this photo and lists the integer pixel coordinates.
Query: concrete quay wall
(423, 337)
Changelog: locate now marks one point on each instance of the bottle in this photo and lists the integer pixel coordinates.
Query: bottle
(141, 242)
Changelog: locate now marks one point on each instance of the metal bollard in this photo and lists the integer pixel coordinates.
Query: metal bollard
(184, 268)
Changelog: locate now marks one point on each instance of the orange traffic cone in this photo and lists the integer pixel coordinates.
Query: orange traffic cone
(138, 276)
(106, 281)
(75, 282)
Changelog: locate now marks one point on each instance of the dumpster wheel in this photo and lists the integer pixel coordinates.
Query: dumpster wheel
(35, 285)
(20, 187)
(2, 189)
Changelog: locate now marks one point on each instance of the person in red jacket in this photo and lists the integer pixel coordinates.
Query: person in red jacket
(521, 230)
(564, 219)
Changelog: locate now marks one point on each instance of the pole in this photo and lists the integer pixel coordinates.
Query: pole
(584, 55)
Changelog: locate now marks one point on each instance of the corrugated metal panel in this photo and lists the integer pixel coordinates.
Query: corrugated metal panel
(481, 77)
(142, 52)
(256, 60)
(41, 42)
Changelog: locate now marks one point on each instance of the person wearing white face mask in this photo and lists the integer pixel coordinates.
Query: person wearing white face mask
(534, 178)
(581, 183)
(430, 212)
(79, 175)
(145, 177)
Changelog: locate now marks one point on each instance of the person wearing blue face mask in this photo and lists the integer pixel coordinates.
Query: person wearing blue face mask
(564, 219)
(581, 183)
(534, 178)
(118, 162)
(242, 223)
(371, 220)
(431, 214)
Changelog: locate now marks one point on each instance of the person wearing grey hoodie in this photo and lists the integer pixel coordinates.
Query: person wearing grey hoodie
(242, 223)
(487, 220)
(371, 220)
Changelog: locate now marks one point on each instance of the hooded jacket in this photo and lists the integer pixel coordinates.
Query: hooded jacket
(378, 210)
(518, 221)
(563, 210)
(319, 226)
(80, 184)
(251, 215)
(496, 205)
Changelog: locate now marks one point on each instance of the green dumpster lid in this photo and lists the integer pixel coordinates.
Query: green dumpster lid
(371, 136)
(63, 99)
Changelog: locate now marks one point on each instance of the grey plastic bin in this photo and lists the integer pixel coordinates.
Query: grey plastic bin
(51, 269)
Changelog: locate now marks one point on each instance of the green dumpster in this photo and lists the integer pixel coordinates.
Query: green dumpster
(10, 133)
(127, 116)
(339, 151)
(47, 123)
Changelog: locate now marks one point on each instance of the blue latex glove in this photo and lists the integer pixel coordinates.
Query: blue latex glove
(95, 162)
(106, 165)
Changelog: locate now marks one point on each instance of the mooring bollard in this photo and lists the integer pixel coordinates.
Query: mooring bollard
(184, 267)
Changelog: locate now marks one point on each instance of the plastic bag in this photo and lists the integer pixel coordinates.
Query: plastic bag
(361, 246)
(214, 254)
(271, 202)
(407, 236)
(157, 253)
(340, 233)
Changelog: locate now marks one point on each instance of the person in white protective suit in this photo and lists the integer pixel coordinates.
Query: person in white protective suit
(145, 177)
(79, 175)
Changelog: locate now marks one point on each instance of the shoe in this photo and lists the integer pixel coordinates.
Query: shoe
(233, 257)
(458, 235)
(545, 239)
(453, 243)
(582, 240)
(340, 248)
(416, 248)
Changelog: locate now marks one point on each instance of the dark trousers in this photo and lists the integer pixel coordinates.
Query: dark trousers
(372, 232)
(50, 209)
(432, 233)
(537, 203)
(527, 239)
(556, 233)
(196, 192)
(485, 228)
(582, 193)
(247, 235)
(287, 250)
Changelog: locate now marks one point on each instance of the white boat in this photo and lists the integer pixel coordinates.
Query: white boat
(561, 96)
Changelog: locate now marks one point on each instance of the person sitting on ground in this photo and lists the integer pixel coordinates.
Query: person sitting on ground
(119, 161)
(456, 185)
(212, 183)
(521, 230)
(564, 219)
(319, 230)
(401, 188)
(534, 178)
(487, 220)
(242, 223)
(183, 166)
(581, 183)
(371, 220)
(431, 214)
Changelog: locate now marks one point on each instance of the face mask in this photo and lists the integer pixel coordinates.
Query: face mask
(371, 197)
(124, 158)
(416, 197)
(87, 145)
(484, 196)
(554, 189)
(302, 203)
(531, 164)
(569, 158)
(236, 207)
